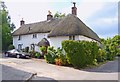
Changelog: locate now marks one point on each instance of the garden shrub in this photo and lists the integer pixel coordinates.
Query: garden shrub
(26, 49)
(58, 61)
(32, 53)
(111, 46)
(37, 55)
(55, 56)
(110, 52)
(101, 55)
(80, 53)
(50, 57)
(61, 57)
(10, 47)
(43, 50)
(52, 49)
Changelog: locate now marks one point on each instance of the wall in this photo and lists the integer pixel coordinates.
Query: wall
(88, 39)
(27, 40)
(84, 38)
(56, 41)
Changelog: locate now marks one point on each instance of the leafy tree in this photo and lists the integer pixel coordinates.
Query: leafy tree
(7, 26)
(111, 46)
(59, 15)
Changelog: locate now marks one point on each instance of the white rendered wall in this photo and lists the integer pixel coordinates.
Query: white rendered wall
(56, 41)
(84, 38)
(27, 40)
(88, 39)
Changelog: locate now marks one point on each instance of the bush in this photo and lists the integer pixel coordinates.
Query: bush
(101, 55)
(52, 49)
(43, 48)
(58, 61)
(26, 49)
(55, 56)
(110, 52)
(80, 53)
(50, 57)
(10, 47)
(61, 57)
(32, 53)
(37, 55)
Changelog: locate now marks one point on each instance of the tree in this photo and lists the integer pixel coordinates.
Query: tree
(7, 26)
(59, 15)
(111, 45)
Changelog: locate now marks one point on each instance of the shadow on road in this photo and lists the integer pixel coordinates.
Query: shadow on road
(10, 74)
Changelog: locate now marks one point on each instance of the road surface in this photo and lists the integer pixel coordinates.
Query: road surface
(22, 68)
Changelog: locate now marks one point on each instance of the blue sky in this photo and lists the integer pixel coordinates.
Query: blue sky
(101, 15)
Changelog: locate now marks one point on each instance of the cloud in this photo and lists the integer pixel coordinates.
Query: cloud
(105, 27)
(29, 11)
(94, 13)
(107, 20)
(87, 9)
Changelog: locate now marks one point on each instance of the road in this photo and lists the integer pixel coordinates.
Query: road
(23, 68)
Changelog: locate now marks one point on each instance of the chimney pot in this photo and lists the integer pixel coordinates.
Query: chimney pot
(22, 22)
(49, 16)
(74, 9)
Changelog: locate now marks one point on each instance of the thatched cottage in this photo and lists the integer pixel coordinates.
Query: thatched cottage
(53, 30)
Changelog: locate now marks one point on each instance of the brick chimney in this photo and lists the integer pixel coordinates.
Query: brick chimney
(49, 16)
(74, 9)
(22, 22)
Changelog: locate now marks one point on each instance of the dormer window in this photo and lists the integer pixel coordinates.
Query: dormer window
(19, 37)
(34, 35)
(71, 37)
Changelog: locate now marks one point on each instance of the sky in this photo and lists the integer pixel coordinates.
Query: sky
(99, 15)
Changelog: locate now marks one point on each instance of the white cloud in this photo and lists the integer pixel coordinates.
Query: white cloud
(36, 10)
(107, 20)
(85, 9)
(30, 12)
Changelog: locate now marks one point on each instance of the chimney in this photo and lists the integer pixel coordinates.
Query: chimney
(22, 22)
(74, 9)
(49, 16)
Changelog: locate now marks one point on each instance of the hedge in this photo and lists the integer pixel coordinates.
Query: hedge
(80, 53)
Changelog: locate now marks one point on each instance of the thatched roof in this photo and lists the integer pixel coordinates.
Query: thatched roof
(69, 25)
(72, 25)
(39, 27)
(43, 42)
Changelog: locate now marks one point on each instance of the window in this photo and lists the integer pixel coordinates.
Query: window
(34, 35)
(20, 46)
(19, 37)
(71, 37)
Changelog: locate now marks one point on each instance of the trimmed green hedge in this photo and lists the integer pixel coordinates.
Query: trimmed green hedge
(80, 53)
